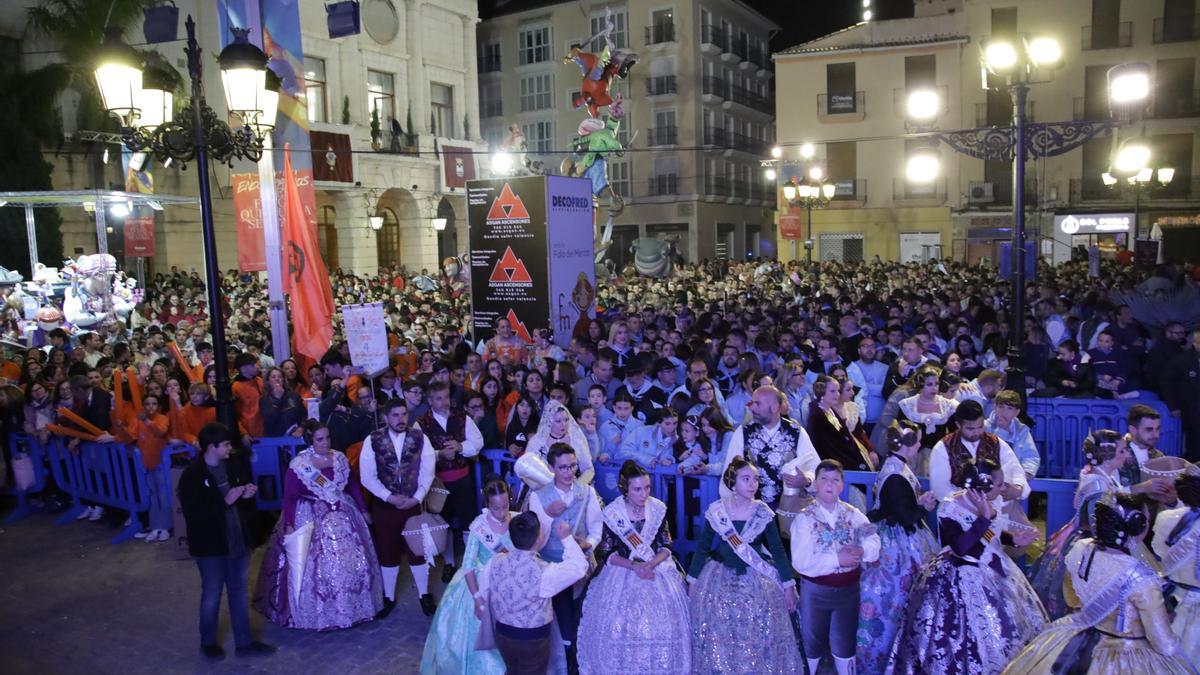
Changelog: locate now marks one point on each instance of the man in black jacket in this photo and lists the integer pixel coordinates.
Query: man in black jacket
(212, 491)
(1181, 393)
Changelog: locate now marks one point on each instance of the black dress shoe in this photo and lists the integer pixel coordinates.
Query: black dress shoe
(256, 648)
(448, 573)
(213, 652)
(428, 606)
(388, 606)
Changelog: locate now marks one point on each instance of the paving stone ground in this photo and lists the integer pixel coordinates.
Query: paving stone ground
(72, 603)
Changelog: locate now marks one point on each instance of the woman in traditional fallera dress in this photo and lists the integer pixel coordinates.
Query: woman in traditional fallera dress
(907, 545)
(1177, 542)
(1123, 627)
(1105, 452)
(340, 584)
(450, 645)
(931, 410)
(742, 601)
(971, 610)
(635, 615)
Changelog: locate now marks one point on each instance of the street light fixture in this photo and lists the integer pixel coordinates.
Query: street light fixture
(812, 193)
(196, 135)
(807, 151)
(776, 152)
(923, 166)
(1128, 83)
(1131, 158)
(1044, 52)
(923, 105)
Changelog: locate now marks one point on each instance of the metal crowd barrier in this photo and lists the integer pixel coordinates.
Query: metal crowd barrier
(1061, 424)
(109, 474)
(24, 445)
(687, 497)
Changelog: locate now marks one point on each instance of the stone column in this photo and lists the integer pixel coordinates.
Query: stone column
(356, 241)
(418, 84)
(471, 81)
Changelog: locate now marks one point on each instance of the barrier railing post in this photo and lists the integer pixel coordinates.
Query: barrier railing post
(24, 445)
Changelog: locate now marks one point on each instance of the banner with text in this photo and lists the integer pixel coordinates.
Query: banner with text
(572, 255)
(508, 255)
(247, 213)
(366, 334)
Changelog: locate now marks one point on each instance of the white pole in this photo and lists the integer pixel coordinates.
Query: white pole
(101, 227)
(31, 233)
(276, 309)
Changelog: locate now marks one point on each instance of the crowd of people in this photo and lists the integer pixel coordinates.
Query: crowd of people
(773, 379)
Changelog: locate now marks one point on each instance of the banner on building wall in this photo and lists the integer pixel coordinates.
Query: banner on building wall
(507, 220)
(332, 157)
(247, 213)
(571, 261)
(139, 235)
(458, 166)
(789, 225)
(247, 209)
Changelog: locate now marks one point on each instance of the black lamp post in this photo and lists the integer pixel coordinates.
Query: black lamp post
(812, 192)
(145, 109)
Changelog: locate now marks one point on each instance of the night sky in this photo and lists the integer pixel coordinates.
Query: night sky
(803, 20)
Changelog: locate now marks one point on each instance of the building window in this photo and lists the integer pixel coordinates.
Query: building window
(441, 105)
(387, 239)
(534, 45)
(490, 102)
(540, 137)
(381, 95)
(618, 176)
(536, 92)
(315, 89)
(839, 85)
(495, 137)
(489, 56)
(620, 34)
(327, 236)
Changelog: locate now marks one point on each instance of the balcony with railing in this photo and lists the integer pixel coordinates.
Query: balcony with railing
(985, 192)
(660, 33)
(663, 85)
(1177, 29)
(748, 144)
(915, 194)
(663, 185)
(740, 189)
(983, 119)
(750, 99)
(1093, 189)
(662, 135)
(849, 193)
(489, 64)
(741, 49)
(1108, 36)
(1169, 105)
(714, 136)
(713, 39)
(842, 107)
(714, 87)
(716, 186)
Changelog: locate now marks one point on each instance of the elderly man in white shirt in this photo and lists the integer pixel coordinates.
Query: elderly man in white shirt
(966, 446)
(396, 465)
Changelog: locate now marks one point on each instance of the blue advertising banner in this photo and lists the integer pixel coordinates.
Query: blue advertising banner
(569, 230)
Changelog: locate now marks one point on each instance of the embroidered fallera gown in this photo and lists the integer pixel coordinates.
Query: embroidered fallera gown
(906, 546)
(971, 610)
(740, 621)
(341, 584)
(450, 644)
(632, 624)
(1122, 628)
(1177, 542)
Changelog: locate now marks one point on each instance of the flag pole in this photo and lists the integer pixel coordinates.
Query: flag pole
(276, 307)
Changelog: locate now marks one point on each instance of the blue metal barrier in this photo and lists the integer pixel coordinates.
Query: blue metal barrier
(269, 459)
(1061, 424)
(22, 445)
(110, 474)
(688, 497)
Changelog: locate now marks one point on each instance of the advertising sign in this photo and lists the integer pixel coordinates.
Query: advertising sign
(508, 256)
(789, 225)
(139, 235)
(247, 213)
(572, 267)
(1093, 223)
(366, 335)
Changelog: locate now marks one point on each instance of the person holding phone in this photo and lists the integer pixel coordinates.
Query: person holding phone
(213, 490)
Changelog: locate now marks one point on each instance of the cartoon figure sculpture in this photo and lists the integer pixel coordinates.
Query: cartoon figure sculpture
(653, 257)
(598, 70)
(454, 276)
(516, 144)
(89, 302)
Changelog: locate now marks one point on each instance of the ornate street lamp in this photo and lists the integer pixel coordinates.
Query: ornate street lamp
(144, 106)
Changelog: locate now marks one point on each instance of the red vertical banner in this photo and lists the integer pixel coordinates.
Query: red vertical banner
(307, 279)
(139, 235)
(247, 212)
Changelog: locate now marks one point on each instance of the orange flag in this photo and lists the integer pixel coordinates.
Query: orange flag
(310, 291)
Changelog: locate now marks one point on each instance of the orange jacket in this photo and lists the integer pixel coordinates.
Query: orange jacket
(187, 422)
(246, 394)
(150, 436)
